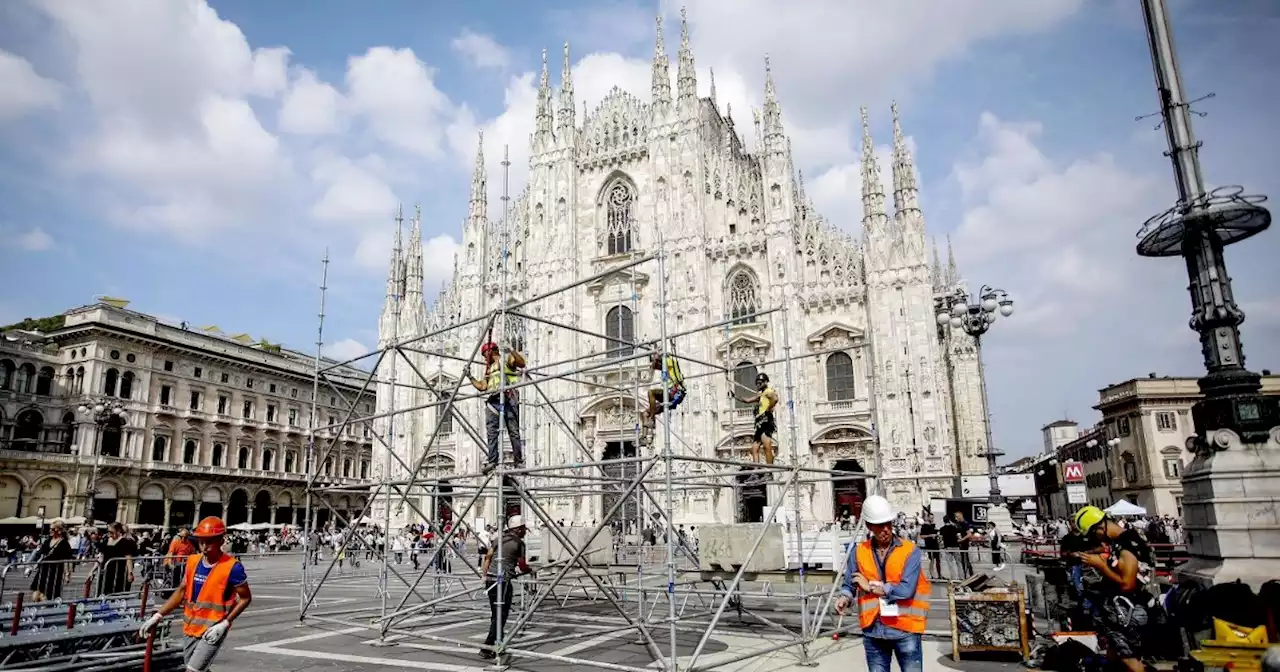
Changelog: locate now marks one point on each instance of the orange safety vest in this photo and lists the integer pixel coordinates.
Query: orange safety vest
(912, 613)
(213, 603)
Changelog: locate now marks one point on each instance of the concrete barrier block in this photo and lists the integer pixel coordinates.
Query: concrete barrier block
(725, 547)
(599, 553)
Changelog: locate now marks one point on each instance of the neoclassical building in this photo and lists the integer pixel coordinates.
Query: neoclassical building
(213, 424)
(877, 385)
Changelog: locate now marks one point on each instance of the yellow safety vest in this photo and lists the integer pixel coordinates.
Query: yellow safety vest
(493, 377)
(765, 403)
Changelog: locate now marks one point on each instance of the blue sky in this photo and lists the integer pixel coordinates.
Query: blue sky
(198, 158)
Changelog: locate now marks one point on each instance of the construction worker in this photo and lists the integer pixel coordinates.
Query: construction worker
(892, 592)
(766, 425)
(175, 559)
(213, 593)
(499, 410)
(498, 578)
(1125, 609)
(666, 389)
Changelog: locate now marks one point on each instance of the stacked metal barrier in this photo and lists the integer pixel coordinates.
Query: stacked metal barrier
(84, 634)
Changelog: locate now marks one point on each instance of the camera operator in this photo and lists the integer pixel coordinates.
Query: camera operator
(1124, 607)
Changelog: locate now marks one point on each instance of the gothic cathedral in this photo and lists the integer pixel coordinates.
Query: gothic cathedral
(875, 385)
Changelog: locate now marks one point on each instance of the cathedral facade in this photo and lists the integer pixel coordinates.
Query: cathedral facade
(874, 384)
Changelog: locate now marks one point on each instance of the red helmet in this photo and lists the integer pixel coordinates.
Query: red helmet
(488, 348)
(210, 527)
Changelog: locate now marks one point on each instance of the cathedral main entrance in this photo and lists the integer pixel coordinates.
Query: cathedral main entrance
(628, 516)
(444, 503)
(847, 492)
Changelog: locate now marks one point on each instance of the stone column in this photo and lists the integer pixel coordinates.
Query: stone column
(167, 503)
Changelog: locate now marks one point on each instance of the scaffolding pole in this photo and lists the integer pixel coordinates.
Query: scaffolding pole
(587, 584)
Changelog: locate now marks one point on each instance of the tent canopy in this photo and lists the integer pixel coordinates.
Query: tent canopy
(1126, 508)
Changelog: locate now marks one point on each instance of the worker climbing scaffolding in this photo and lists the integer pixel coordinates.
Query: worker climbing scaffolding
(765, 424)
(502, 406)
(667, 390)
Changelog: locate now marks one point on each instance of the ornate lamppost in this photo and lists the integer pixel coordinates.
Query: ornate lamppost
(1107, 446)
(102, 414)
(1237, 428)
(974, 316)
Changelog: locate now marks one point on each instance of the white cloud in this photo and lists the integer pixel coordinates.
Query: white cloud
(353, 191)
(347, 348)
(437, 262)
(310, 107)
(1060, 233)
(32, 240)
(25, 91)
(395, 92)
(481, 50)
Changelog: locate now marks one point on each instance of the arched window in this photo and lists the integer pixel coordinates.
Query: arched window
(513, 330)
(189, 452)
(69, 430)
(619, 324)
(24, 381)
(267, 458)
(28, 429)
(6, 373)
(216, 458)
(328, 466)
(364, 468)
(109, 387)
(290, 461)
(743, 297)
(44, 382)
(744, 377)
(159, 449)
(346, 468)
(69, 384)
(112, 437)
(243, 461)
(1130, 467)
(839, 377)
(446, 423)
(619, 209)
(126, 385)
(80, 380)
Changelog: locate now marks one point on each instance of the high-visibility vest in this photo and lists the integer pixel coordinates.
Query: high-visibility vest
(493, 377)
(912, 613)
(765, 402)
(199, 612)
(673, 373)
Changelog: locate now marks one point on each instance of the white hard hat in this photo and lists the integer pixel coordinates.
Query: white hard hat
(515, 521)
(876, 510)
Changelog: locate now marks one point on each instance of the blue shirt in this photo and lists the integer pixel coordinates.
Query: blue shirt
(894, 592)
(238, 577)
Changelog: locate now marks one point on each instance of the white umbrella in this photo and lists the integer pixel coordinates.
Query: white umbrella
(1126, 508)
(241, 527)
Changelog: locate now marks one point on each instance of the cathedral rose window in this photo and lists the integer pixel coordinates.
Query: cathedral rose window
(620, 202)
(744, 297)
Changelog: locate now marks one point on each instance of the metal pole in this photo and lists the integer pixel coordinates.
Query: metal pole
(669, 465)
(309, 521)
(503, 352)
(383, 584)
(93, 471)
(994, 495)
(795, 485)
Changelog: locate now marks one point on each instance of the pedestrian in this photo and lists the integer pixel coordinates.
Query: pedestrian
(214, 592)
(891, 590)
(176, 558)
(499, 577)
(54, 554)
(929, 539)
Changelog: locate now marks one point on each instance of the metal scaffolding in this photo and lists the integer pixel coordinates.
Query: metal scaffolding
(584, 595)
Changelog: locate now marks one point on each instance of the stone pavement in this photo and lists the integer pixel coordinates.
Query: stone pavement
(269, 637)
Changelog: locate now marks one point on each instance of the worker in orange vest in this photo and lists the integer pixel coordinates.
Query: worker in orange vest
(892, 592)
(214, 591)
(176, 558)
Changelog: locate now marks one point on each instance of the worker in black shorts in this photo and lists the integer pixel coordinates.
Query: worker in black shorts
(766, 425)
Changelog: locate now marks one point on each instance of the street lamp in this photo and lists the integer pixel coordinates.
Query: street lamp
(974, 316)
(102, 414)
(1108, 446)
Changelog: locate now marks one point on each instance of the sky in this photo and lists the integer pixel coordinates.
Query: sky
(200, 157)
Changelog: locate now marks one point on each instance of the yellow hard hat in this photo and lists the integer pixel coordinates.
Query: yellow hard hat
(1087, 517)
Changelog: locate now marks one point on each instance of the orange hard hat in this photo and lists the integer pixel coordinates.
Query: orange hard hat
(210, 527)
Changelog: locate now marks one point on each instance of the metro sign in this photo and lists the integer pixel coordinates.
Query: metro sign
(1073, 472)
